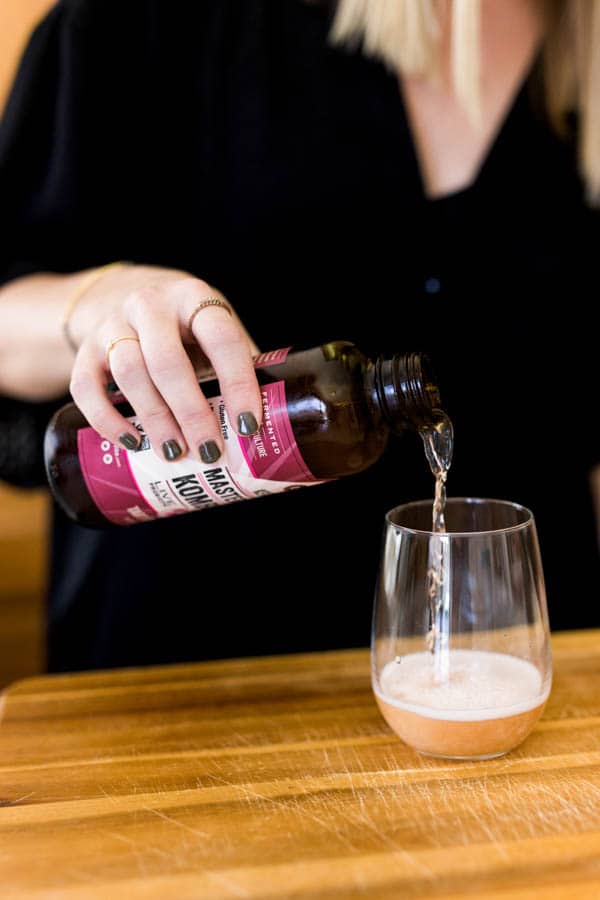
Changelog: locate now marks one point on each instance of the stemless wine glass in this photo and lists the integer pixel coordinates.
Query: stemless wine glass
(460, 652)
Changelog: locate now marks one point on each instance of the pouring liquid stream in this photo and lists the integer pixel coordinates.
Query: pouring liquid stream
(438, 441)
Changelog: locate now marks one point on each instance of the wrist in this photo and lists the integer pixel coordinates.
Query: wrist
(95, 294)
(106, 295)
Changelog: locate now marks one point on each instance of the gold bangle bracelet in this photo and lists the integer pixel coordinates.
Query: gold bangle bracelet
(84, 285)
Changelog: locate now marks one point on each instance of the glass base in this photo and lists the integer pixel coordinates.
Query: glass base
(462, 758)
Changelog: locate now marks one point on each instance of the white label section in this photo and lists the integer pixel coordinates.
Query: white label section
(172, 488)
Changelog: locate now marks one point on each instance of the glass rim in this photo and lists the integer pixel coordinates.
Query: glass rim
(526, 523)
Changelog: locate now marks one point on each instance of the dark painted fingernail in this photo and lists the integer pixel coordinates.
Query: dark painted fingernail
(247, 424)
(209, 452)
(129, 441)
(171, 450)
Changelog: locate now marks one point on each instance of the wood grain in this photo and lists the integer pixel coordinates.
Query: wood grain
(276, 777)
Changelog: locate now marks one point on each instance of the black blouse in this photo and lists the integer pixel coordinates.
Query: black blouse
(229, 139)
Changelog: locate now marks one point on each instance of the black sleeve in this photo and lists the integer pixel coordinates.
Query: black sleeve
(116, 107)
(66, 159)
(70, 163)
(26, 135)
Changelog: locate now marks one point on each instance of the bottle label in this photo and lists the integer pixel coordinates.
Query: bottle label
(138, 486)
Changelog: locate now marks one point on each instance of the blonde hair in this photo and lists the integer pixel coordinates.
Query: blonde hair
(405, 34)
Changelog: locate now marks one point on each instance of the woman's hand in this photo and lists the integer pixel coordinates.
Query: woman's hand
(153, 370)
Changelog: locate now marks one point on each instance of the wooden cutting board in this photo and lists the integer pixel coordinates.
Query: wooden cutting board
(276, 777)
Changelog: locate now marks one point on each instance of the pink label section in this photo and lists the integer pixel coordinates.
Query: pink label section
(271, 358)
(109, 480)
(273, 453)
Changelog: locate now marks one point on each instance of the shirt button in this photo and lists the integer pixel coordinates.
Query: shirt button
(432, 285)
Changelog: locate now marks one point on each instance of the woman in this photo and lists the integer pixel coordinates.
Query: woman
(335, 172)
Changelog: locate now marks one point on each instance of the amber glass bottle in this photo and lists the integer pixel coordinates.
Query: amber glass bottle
(328, 412)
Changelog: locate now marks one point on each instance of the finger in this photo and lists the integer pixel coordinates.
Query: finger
(88, 388)
(225, 342)
(129, 371)
(173, 375)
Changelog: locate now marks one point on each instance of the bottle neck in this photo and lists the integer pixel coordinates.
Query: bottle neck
(404, 390)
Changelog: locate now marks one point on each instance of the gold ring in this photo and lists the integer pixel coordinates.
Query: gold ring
(112, 344)
(210, 301)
